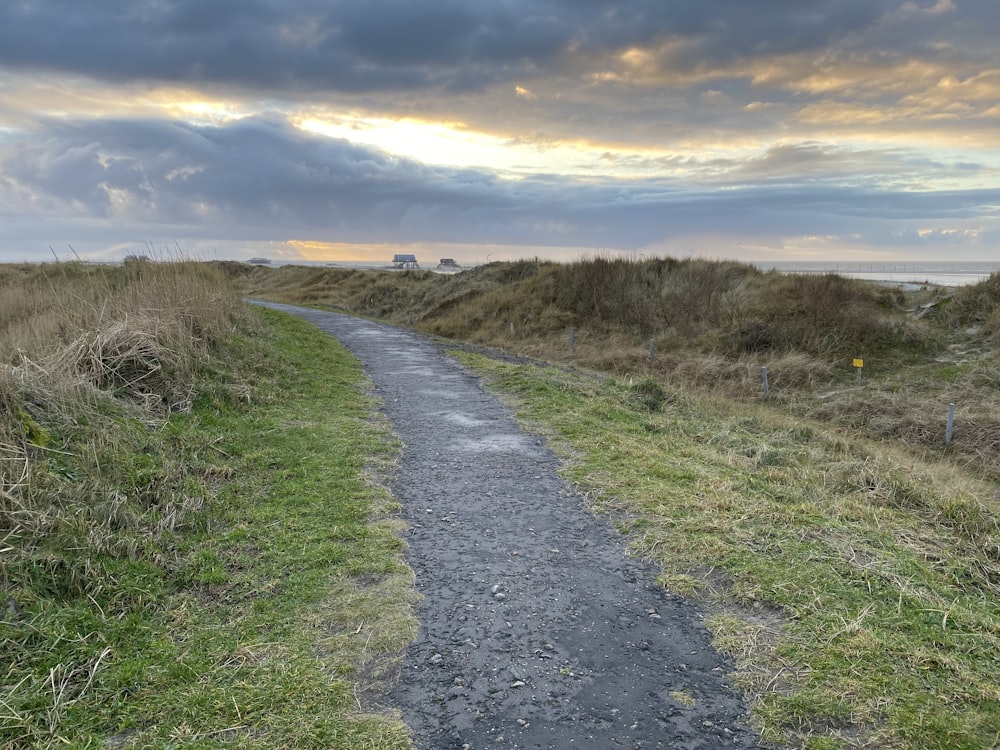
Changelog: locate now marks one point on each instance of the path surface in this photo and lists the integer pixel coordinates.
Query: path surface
(537, 631)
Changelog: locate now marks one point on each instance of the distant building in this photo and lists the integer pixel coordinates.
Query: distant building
(136, 258)
(259, 261)
(403, 260)
(448, 263)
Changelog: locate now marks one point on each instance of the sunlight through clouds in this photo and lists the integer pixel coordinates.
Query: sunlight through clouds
(452, 144)
(434, 142)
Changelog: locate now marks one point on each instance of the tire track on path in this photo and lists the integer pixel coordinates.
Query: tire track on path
(537, 630)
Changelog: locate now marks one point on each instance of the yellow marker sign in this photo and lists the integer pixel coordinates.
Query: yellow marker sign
(859, 363)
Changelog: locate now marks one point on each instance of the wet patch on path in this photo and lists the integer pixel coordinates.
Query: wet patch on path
(537, 630)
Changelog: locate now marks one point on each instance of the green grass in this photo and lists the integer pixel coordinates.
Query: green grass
(244, 586)
(858, 589)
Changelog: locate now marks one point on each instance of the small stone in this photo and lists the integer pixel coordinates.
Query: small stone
(499, 596)
(518, 684)
(436, 659)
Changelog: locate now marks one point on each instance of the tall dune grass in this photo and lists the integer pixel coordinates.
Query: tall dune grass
(79, 342)
(91, 360)
(140, 329)
(714, 325)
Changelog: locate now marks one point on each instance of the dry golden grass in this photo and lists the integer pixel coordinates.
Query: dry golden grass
(714, 327)
(78, 342)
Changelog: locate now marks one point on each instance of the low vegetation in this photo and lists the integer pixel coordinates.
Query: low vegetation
(848, 556)
(191, 543)
(193, 538)
(714, 326)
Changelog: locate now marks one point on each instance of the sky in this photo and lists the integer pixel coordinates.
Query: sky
(330, 130)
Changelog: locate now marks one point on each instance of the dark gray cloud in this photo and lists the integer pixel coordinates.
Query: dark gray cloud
(261, 178)
(357, 45)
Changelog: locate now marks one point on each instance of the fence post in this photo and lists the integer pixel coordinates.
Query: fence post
(512, 328)
(767, 387)
(651, 350)
(572, 339)
(951, 424)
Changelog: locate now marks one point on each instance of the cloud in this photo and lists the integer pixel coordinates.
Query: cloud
(599, 70)
(262, 178)
(355, 45)
(773, 118)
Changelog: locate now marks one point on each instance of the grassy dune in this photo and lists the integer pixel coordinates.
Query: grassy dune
(848, 557)
(190, 537)
(714, 326)
(183, 566)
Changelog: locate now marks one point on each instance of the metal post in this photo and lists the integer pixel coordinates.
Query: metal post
(651, 351)
(767, 387)
(572, 340)
(512, 328)
(951, 424)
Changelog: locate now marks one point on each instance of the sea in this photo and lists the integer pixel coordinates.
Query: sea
(905, 274)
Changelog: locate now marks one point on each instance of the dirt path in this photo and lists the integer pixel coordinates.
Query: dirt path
(537, 631)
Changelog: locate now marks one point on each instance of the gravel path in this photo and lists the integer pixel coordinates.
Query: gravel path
(537, 630)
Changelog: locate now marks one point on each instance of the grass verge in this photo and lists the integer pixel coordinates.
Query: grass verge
(858, 589)
(237, 581)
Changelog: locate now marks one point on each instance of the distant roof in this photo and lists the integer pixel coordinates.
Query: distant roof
(259, 261)
(399, 258)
